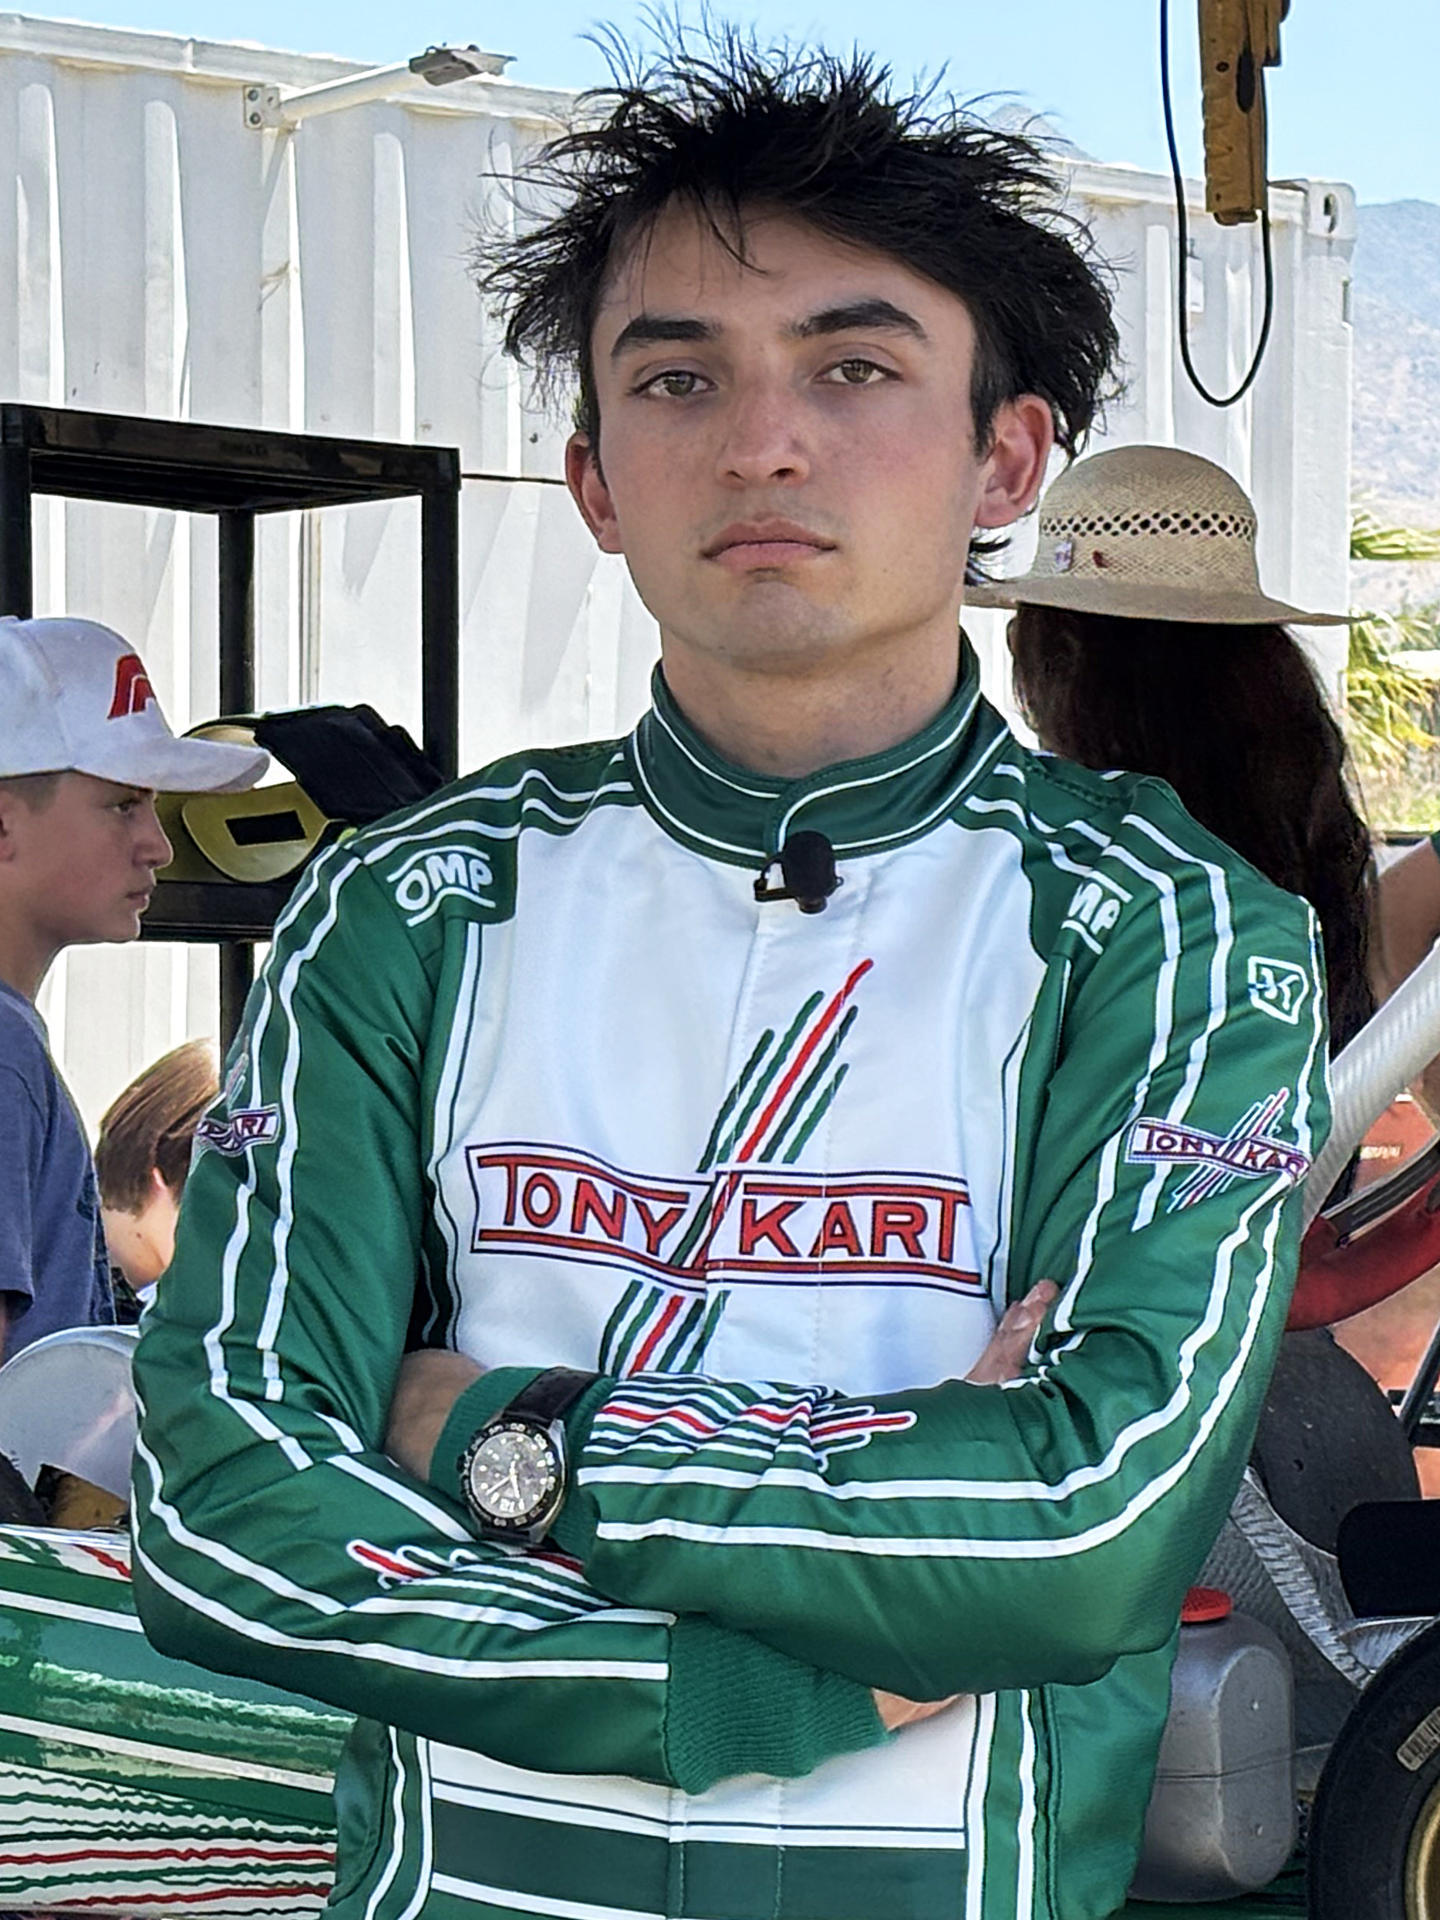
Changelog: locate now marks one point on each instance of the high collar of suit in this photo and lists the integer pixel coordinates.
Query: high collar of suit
(861, 806)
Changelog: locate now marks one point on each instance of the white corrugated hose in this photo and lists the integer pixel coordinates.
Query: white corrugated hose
(1385, 1056)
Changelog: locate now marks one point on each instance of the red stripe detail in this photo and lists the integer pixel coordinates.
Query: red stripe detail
(258, 1852)
(656, 1334)
(878, 1423)
(821, 1266)
(373, 1557)
(817, 1034)
(558, 1245)
(105, 1559)
(130, 1903)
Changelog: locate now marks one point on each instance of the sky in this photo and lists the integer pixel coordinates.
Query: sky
(1352, 100)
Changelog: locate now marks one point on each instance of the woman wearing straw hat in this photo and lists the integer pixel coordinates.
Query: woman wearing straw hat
(1142, 639)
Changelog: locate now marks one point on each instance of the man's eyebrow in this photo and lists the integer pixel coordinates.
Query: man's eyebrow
(859, 315)
(653, 329)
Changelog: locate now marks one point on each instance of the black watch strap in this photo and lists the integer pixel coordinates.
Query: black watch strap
(550, 1395)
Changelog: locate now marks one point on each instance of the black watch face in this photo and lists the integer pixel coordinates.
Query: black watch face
(513, 1472)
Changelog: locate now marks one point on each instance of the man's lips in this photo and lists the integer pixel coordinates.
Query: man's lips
(765, 543)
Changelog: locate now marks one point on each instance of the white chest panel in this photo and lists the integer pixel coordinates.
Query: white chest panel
(686, 1131)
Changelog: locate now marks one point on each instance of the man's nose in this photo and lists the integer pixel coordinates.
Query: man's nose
(764, 437)
(152, 848)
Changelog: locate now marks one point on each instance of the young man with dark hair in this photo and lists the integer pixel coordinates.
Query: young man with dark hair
(83, 747)
(784, 1042)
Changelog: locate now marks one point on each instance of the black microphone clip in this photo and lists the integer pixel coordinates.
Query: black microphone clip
(807, 873)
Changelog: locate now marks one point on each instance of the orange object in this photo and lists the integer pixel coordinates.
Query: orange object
(1204, 1604)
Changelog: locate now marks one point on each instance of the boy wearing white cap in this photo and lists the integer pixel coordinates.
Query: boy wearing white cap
(84, 747)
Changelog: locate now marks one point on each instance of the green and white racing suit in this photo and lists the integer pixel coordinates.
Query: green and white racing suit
(532, 1073)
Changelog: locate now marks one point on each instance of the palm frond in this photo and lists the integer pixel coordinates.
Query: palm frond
(1387, 705)
(1371, 539)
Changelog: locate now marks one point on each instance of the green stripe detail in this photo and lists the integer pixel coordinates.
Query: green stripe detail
(608, 1356)
(798, 1100)
(818, 1113)
(693, 1879)
(675, 1346)
(770, 1076)
(727, 1106)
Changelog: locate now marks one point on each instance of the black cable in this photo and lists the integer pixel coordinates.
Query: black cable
(1183, 229)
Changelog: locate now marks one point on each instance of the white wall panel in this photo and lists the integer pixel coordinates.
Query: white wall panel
(165, 258)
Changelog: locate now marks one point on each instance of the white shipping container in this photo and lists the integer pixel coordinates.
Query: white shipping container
(168, 258)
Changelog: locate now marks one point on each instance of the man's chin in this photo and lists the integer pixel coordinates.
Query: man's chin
(126, 926)
(775, 627)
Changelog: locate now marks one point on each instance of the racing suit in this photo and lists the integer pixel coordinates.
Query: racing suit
(532, 1073)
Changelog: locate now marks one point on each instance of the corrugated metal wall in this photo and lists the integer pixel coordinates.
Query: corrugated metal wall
(168, 259)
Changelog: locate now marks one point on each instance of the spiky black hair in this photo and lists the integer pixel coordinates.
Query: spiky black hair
(727, 125)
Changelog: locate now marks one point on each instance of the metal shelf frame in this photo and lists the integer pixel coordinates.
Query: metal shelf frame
(237, 473)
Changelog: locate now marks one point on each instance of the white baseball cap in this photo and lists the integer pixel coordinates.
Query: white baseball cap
(75, 698)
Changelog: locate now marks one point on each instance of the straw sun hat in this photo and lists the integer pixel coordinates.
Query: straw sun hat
(1148, 533)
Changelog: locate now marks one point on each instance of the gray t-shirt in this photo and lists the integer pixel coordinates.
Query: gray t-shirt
(54, 1269)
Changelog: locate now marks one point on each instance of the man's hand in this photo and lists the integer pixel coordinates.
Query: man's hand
(1009, 1348)
(430, 1383)
(1003, 1359)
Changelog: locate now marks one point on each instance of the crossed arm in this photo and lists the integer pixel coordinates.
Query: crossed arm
(711, 1618)
(433, 1380)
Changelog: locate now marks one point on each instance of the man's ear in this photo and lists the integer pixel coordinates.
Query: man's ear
(1021, 436)
(590, 493)
(9, 808)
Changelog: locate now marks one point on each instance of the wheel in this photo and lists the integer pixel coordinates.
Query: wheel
(1374, 1850)
(1422, 1861)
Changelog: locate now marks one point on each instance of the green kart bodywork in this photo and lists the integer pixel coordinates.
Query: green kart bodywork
(136, 1785)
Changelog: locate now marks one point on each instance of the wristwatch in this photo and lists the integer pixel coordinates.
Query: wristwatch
(513, 1471)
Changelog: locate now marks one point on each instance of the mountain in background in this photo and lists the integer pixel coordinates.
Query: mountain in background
(1395, 307)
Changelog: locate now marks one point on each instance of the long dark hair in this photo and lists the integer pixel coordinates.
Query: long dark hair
(1235, 720)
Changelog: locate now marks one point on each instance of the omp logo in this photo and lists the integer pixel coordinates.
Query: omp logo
(1278, 987)
(133, 691)
(1094, 909)
(739, 1224)
(232, 1133)
(426, 878)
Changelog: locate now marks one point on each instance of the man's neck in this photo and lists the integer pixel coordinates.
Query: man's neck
(24, 961)
(793, 724)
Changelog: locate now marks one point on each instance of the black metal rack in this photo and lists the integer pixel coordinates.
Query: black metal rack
(237, 473)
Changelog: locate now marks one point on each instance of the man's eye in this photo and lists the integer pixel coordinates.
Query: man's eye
(856, 372)
(677, 383)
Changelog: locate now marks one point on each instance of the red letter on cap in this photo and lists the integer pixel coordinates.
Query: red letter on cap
(133, 691)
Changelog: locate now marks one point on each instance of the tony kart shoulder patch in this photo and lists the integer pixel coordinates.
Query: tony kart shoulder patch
(1250, 1151)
